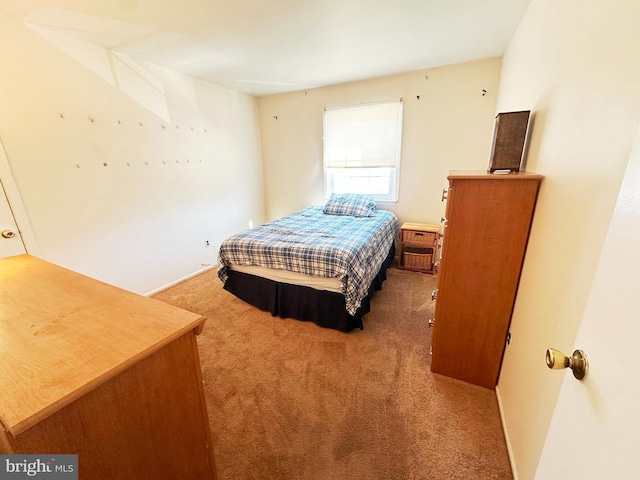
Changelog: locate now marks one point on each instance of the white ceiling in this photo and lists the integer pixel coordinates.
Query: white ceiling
(262, 47)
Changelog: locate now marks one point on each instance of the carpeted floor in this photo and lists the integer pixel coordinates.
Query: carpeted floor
(290, 400)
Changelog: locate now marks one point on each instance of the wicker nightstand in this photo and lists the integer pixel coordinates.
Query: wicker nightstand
(419, 246)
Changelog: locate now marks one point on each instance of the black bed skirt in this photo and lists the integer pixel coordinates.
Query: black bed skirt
(327, 309)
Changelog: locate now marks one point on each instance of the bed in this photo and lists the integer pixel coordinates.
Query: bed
(320, 264)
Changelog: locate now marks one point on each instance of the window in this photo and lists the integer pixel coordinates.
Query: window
(362, 149)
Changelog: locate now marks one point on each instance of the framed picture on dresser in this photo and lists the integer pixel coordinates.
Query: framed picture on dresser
(509, 141)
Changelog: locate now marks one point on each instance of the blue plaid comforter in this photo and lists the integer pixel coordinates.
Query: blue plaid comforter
(313, 243)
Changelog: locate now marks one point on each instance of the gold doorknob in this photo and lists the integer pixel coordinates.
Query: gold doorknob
(8, 233)
(578, 363)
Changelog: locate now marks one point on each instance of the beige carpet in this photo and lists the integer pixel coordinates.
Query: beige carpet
(290, 400)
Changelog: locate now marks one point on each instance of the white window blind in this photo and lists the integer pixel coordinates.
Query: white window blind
(362, 149)
(363, 136)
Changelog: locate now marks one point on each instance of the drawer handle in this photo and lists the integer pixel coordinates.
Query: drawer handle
(432, 322)
(445, 194)
(434, 294)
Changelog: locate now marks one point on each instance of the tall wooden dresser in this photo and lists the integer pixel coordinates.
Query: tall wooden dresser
(487, 223)
(89, 369)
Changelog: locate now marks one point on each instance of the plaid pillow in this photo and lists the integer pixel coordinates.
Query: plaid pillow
(351, 204)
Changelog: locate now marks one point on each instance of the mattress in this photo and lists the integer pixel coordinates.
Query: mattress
(292, 278)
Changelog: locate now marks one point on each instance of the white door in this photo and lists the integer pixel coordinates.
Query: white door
(595, 430)
(10, 238)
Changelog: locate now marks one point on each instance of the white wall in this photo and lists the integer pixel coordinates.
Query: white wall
(449, 127)
(576, 64)
(125, 169)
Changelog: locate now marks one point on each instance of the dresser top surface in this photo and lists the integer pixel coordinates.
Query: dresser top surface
(483, 175)
(62, 334)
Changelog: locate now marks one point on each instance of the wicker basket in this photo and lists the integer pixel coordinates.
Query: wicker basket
(418, 261)
(426, 238)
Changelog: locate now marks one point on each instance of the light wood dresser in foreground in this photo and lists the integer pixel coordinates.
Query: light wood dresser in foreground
(89, 369)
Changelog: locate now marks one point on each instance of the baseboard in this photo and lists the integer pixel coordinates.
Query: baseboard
(180, 280)
(506, 435)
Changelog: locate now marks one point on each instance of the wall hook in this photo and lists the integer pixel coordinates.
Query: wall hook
(275, 117)
(484, 92)
(92, 119)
